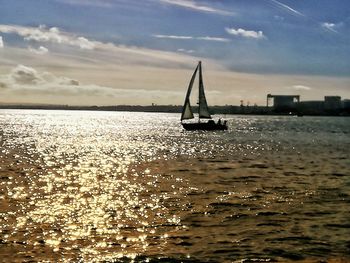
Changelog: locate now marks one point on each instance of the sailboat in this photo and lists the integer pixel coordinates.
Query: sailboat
(203, 110)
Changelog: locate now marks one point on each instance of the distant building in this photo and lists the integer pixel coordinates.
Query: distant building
(283, 102)
(346, 104)
(311, 106)
(332, 103)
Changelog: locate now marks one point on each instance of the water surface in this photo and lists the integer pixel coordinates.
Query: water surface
(117, 186)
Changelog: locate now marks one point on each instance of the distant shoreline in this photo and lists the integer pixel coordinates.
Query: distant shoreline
(227, 109)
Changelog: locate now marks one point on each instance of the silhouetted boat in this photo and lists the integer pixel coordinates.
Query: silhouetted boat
(203, 111)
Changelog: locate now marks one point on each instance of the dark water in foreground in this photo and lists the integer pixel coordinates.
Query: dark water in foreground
(114, 186)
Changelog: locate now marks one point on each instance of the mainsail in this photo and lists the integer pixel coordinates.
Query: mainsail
(203, 105)
(203, 110)
(187, 110)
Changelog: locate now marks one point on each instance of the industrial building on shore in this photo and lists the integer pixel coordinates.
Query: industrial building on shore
(331, 105)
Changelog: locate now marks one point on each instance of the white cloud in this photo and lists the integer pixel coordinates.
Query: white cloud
(287, 8)
(218, 39)
(173, 37)
(91, 51)
(207, 38)
(24, 80)
(185, 50)
(84, 43)
(25, 75)
(40, 51)
(43, 34)
(329, 26)
(190, 4)
(1, 42)
(40, 34)
(245, 33)
(300, 87)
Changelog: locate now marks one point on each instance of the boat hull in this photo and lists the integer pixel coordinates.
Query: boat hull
(204, 126)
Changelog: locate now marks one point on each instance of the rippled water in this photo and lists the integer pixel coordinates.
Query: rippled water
(117, 186)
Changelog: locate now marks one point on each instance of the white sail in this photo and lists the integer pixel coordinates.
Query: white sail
(203, 105)
(187, 110)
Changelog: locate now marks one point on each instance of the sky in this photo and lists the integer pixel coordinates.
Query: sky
(107, 52)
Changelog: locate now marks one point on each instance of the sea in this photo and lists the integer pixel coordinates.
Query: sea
(94, 186)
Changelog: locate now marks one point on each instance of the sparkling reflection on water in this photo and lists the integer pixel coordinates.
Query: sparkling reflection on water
(97, 186)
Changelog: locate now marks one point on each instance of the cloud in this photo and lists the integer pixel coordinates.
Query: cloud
(300, 87)
(331, 26)
(185, 50)
(24, 80)
(287, 8)
(193, 5)
(173, 37)
(40, 34)
(1, 42)
(207, 38)
(245, 33)
(85, 50)
(43, 34)
(84, 43)
(40, 51)
(327, 26)
(25, 75)
(218, 39)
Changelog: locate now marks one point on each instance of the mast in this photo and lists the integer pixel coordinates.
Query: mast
(203, 105)
(187, 110)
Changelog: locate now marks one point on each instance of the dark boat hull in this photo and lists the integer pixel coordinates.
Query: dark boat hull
(204, 126)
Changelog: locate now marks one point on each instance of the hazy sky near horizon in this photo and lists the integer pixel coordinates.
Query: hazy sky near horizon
(105, 52)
